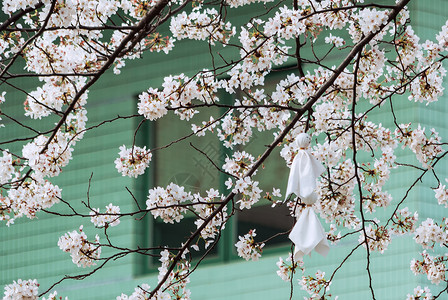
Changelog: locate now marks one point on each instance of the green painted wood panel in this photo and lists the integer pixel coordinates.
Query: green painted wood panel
(29, 249)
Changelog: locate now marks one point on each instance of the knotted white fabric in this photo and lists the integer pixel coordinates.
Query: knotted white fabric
(307, 233)
(305, 170)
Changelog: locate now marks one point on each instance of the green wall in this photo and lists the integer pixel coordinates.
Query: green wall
(29, 248)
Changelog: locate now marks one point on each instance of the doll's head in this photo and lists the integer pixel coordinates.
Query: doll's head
(303, 140)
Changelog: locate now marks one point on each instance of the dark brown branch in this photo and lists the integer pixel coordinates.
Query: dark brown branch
(19, 15)
(358, 179)
(29, 41)
(356, 49)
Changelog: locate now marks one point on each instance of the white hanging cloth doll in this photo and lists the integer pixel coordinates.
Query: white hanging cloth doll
(307, 233)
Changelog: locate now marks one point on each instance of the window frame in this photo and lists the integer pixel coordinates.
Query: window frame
(226, 251)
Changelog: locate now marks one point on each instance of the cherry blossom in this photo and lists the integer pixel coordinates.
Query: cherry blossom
(314, 285)
(371, 19)
(239, 164)
(204, 208)
(109, 218)
(247, 248)
(21, 289)
(249, 190)
(48, 162)
(377, 238)
(287, 268)
(201, 25)
(151, 106)
(442, 194)
(335, 40)
(420, 294)
(404, 221)
(433, 267)
(28, 199)
(68, 45)
(164, 203)
(177, 280)
(6, 167)
(54, 296)
(430, 233)
(133, 161)
(83, 252)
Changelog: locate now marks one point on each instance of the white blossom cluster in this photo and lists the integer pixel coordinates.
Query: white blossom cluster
(9, 45)
(442, 194)
(204, 207)
(151, 105)
(296, 89)
(371, 19)
(71, 12)
(425, 148)
(25, 177)
(167, 203)
(249, 191)
(329, 117)
(260, 54)
(286, 24)
(28, 199)
(6, 167)
(404, 221)
(433, 267)
(109, 218)
(26, 290)
(21, 289)
(268, 117)
(202, 24)
(377, 176)
(83, 252)
(316, 284)
(237, 3)
(332, 236)
(395, 61)
(335, 40)
(133, 161)
(157, 43)
(239, 164)
(206, 125)
(177, 281)
(378, 237)
(178, 93)
(376, 198)
(286, 268)
(49, 163)
(115, 41)
(442, 36)
(429, 88)
(427, 235)
(10, 6)
(430, 233)
(143, 292)
(336, 201)
(231, 133)
(241, 78)
(420, 294)
(410, 50)
(67, 58)
(247, 248)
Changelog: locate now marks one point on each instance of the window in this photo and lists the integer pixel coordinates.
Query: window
(266, 220)
(182, 164)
